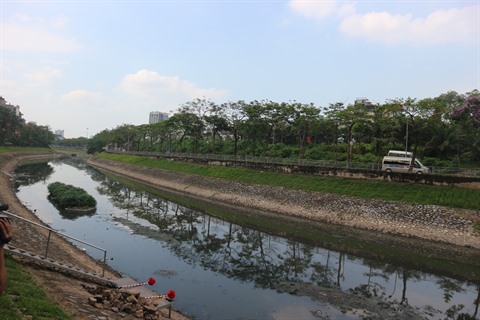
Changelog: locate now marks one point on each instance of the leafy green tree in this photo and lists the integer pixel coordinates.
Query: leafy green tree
(415, 117)
(304, 119)
(188, 125)
(99, 141)
(255, 128)
(235, 117)
(467, 119)
(333, 116)
(11, 126)
(351, 117)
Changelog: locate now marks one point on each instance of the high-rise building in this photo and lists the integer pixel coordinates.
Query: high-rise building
(157, 116)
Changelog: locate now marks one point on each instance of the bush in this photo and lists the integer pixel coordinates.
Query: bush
(437, 162)
(368, 157)
(280, 150)
(68, 196)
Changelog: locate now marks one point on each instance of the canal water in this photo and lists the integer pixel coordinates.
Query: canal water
(222, 270)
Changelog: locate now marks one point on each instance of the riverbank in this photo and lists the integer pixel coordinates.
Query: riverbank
(64, 290)
(238, 195)
(427, 222)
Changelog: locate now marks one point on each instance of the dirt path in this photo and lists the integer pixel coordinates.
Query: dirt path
(65, 290)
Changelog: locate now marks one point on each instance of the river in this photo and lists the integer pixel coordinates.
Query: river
(223, 270)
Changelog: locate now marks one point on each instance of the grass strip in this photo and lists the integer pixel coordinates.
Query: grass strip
(24, 150)
(24, 299)
(449, 196)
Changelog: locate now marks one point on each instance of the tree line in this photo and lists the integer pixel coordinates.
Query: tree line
(443, 130)
(16, 131)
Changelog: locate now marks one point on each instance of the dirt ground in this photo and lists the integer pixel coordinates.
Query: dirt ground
(66, 290)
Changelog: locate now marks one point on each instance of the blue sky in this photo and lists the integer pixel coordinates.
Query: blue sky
(75, 65)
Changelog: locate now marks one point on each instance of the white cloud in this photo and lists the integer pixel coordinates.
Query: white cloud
(314, 9)
(151, 85)
(44, 75)
(23, 33)
(83, 97)
(59, 21)
(440, 27)
(322, 9)
(456, 25)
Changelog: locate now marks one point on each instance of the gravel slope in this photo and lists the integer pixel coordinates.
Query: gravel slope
(429, 222)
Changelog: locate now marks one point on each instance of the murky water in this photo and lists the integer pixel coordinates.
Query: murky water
(221, 270)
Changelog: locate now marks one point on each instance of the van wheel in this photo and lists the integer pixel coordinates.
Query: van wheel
(419, 172)
(388, 170)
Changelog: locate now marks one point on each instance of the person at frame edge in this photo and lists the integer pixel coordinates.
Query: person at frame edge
(5, 237)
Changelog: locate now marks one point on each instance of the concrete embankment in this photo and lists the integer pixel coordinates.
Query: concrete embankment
(428, 222)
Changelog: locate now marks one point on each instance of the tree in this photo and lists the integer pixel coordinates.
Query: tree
(470, 108)
(415, 118)
(467, 118)
(99, 141)
(350, 117)
(333, 115)
(234, 116)
(187, 124)
(304, 119)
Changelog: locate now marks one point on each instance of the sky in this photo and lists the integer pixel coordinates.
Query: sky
(84, 66)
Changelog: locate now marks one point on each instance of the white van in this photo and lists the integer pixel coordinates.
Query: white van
(402, 164)
(399, 153)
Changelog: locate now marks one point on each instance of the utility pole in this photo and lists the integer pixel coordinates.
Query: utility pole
(406, 138)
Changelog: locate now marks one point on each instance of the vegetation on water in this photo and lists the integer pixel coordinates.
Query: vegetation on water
(411, 193)
(25, 299)
(67, 196)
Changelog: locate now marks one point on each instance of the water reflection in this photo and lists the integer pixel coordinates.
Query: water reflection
(32, 173)
(338, 285)
(75, 214)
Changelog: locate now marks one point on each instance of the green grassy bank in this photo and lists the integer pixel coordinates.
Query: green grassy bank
(24, 150)
(25, 299)
(449, 196)
(461, 264)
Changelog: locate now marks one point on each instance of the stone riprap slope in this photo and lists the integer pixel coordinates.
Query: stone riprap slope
(448, 225)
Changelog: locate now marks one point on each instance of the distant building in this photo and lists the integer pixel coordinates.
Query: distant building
(59, 135)
(14, 109)
(369, 106)
(157, 116)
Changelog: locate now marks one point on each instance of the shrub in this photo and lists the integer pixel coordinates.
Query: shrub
(68, 196)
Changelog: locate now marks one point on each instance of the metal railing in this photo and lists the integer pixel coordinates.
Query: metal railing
(50, 231)
(453, 171)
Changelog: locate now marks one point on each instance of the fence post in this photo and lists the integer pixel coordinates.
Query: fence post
(48, 243)
(104, 263)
